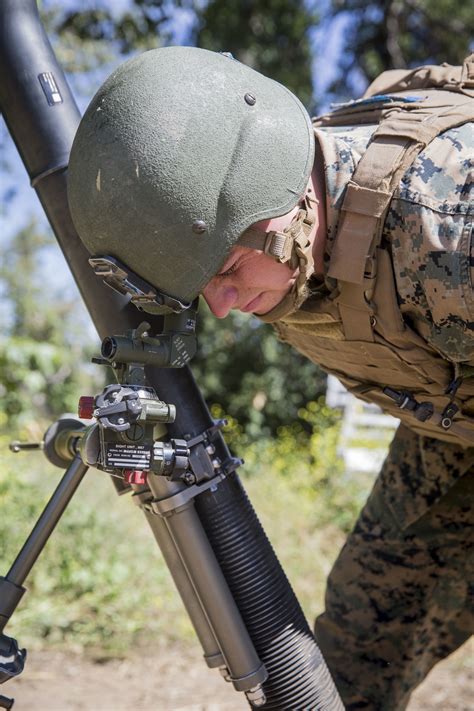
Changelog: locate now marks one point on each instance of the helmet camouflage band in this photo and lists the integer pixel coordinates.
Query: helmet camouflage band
(179, 152)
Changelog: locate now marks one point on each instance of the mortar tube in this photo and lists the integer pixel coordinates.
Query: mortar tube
(41, 132)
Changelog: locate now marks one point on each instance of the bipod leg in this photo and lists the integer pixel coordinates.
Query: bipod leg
(12, 659)
(46, 524)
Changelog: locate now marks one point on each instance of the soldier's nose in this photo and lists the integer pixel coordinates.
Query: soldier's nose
(220, 299)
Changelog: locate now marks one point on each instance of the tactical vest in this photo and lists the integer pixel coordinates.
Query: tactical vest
(379, 357)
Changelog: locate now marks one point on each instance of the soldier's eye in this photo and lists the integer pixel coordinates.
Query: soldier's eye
(228, 271)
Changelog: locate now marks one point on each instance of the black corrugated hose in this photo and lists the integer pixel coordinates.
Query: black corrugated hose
(299, 679)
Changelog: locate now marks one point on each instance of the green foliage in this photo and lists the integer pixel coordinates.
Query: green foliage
(39, 382)
(394, 34)
(271, 36)
(43, 361)
(304, 452)
(256, 379)
(87, 37)
(21, 285)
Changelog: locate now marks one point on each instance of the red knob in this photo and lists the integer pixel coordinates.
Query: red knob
(135, 476)
(86, 407)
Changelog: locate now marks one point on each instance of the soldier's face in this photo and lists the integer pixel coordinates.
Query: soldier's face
(250, 281)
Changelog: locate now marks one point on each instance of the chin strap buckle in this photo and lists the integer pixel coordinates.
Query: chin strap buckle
(292, 246)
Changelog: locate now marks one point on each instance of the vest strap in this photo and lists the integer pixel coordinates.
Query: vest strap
(394, 147)
(365, 204)
(430, 118)
(444, 76)
(365, 201)
(357, 313)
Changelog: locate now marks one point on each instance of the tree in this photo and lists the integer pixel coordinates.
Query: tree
(398, 34)
(253, 377)
(42, 357)
(272, 36)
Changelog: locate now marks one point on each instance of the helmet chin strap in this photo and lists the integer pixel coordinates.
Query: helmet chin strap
(290, 246)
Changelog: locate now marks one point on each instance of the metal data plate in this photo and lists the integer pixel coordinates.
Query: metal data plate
(128, 456)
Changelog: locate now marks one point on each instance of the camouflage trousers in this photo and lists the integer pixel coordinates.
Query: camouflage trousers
(398, 596)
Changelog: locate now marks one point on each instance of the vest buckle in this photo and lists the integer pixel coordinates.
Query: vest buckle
(405, 401)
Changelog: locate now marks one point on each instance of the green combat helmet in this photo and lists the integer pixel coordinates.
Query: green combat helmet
(180, 151)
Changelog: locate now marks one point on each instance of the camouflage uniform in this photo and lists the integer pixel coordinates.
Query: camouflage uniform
(398, 596)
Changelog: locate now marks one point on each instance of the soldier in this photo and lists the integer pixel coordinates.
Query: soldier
(352, 236)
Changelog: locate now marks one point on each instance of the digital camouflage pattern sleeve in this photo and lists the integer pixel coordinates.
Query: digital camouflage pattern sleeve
(429, 231)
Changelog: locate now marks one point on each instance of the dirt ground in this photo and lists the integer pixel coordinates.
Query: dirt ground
(178, 680)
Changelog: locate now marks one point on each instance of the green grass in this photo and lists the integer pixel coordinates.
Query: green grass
(101, 583)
